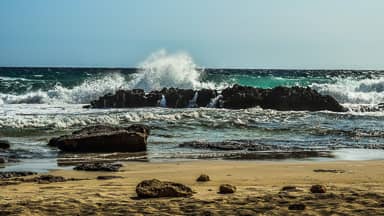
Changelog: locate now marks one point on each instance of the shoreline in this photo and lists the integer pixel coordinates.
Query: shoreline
(358, 190)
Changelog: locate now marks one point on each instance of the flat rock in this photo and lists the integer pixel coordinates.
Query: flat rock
(104, 138)
(106, 167)
(155, 188)
(227, 189)
(4, 144)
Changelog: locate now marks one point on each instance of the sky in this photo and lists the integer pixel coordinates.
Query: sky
(294, 34)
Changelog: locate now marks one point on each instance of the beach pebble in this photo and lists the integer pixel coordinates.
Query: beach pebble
(297, 206)
(318, 189)
(155, 188)
(203, 178)
(107, 167)
(227, 189)
(4, 144)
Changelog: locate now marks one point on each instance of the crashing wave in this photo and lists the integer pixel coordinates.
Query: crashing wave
(156, 72)
(357, 95)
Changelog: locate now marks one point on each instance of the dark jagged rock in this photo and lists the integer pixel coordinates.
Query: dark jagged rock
(155, 188)
(235, 97)
(297, 98)
(205, 96)
(329, 171)
(7, 175)
(318, 189)
(289, 188)
(241, 97)
(106, 167)
(203, 178)
(104, 138)
(4, 144)
(178, 98)
(227, 189)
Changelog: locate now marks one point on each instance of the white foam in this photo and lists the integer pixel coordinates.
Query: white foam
(161, 70)
(351, 91)
(84, 93)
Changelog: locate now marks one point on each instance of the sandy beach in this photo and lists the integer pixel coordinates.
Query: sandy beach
(353, 188)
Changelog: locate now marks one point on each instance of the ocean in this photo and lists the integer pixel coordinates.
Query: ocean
(39, 103)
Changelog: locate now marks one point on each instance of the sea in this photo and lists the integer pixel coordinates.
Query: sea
(38, 103)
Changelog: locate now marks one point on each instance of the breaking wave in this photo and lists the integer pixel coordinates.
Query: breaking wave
(83, 93)
(364, 94)
(159, 70)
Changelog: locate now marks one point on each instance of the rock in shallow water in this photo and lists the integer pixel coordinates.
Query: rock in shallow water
(155, 188)
(6, 175)
(106, 167)
(4, 144)
(104, 138)
(235, 97)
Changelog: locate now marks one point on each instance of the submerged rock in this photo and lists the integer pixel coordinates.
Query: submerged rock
(227, 189)
(4, 144)
(155, 188)
(235, 97)
(106, 167)
(104, 138)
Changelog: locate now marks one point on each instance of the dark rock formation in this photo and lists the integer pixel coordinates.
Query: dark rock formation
(235, 97)
(203, 178)
(106, 167)
(45, 179)
(155, 188)
(104, 138)
(227, 189)
(4, 144)
(318, 189)
(3, 160)
(178, 98)
(296, 98)
(329, 171)
(205, 96)
(241, 97)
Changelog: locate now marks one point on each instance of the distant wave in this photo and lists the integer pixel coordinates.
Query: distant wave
(84, 93)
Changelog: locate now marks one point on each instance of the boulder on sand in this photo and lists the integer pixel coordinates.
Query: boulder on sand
(155, 188)
(104, 138)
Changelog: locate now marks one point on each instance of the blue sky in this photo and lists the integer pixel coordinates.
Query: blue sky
(216, 33)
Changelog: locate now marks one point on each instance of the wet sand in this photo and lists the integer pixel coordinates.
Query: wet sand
(353, 188)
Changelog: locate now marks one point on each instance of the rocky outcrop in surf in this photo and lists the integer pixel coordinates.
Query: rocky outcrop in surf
(235, 97)
(104, 138)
